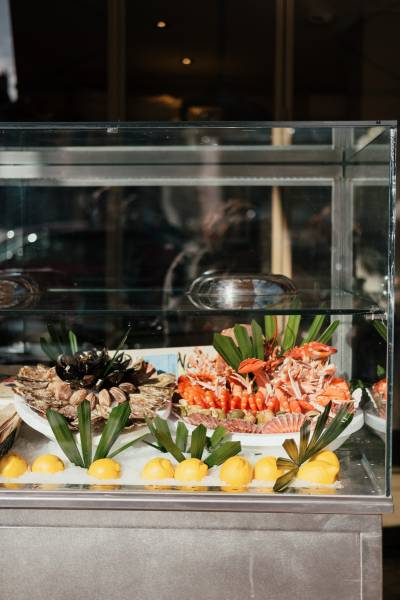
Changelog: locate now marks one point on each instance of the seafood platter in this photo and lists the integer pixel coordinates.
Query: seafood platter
(254, 390)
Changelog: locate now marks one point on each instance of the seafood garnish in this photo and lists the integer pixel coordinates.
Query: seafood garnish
(260, 394)
(378, 395)
(147, 392)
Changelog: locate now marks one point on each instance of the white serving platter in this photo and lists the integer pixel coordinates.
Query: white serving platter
(272, 442)
(41, 424)
(376, 423)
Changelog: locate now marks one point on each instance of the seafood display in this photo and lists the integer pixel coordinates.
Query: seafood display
(78, 378)
(272, 394)
(378, 395)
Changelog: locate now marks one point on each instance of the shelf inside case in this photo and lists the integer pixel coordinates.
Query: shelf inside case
(152, 301)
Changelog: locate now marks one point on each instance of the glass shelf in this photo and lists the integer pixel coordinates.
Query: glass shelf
(153, 301)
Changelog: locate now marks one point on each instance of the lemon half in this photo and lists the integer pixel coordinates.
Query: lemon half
(157, 468)
(105, 468)
(47, 463)
(237, 471)
(13, 465)
(191, 469)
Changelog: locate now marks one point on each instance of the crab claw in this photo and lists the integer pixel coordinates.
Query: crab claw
(311, 350)
(251, 365)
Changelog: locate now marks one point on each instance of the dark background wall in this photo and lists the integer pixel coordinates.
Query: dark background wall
(249, 59)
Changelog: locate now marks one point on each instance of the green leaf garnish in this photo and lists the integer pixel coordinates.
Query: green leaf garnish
(270, 324)
(320, 439)
(60, 341)
(257, 340)
(64, 437)
(314, 330)
(291, 331)
(381, 328)
(283, 482)
(380, 371)
(73, 342)
(225, 346)
(222, 453)
(85, 431)
(218, 435)
(328, 333)
(115, 423)
(128, 445)
(198, 441)
(118, 352)
(244, 342)
(181, 436)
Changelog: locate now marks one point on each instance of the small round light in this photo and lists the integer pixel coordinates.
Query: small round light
(10, 234)
(186, 60)
(32, 237)
(161, 24)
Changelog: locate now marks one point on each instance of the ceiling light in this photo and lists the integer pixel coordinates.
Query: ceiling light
(161, 24)
(186, 61)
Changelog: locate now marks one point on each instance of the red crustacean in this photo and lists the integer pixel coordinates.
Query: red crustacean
(298, 381)
(311, 351)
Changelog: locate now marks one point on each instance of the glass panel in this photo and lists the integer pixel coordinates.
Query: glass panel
(105, 227)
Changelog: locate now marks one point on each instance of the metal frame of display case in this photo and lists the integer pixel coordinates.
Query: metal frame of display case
(333, 543)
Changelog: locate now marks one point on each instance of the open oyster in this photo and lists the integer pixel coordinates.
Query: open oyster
(134, 380)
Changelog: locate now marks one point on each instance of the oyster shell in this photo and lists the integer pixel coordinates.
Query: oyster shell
(41, 388)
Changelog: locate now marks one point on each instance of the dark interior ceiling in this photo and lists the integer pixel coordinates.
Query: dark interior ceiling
(61, 52)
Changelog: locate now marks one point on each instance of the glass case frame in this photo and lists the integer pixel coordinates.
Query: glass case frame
(345, 162)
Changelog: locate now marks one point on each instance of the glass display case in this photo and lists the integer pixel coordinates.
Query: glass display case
(234, 278)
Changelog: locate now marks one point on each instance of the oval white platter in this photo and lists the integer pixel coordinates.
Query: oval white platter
(378, 424)
(41, 424)
(274, 441)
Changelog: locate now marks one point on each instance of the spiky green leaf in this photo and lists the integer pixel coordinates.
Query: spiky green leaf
(291, 449)
(85, 432)
(222, 453)
(328, 333)
(73, 342)
(181, 436)
(198, 441)
(271, 326)
(284, 481)
(257, 340)
(128, 445)
(217, 436)
(115, 423)
(244, 341)
(314, 330)
(225, 346)
(48, 349)
(167, 442)
(291, 331)
(381, 328)
(64, 437)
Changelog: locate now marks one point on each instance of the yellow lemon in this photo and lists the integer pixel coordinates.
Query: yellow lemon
(237, 471)
(13, 465)
(192, 488)
(318, 471)
(329, 457)
(47, 463)
(157, 468)
(105, 468)
(265, 469)
(191, 469)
